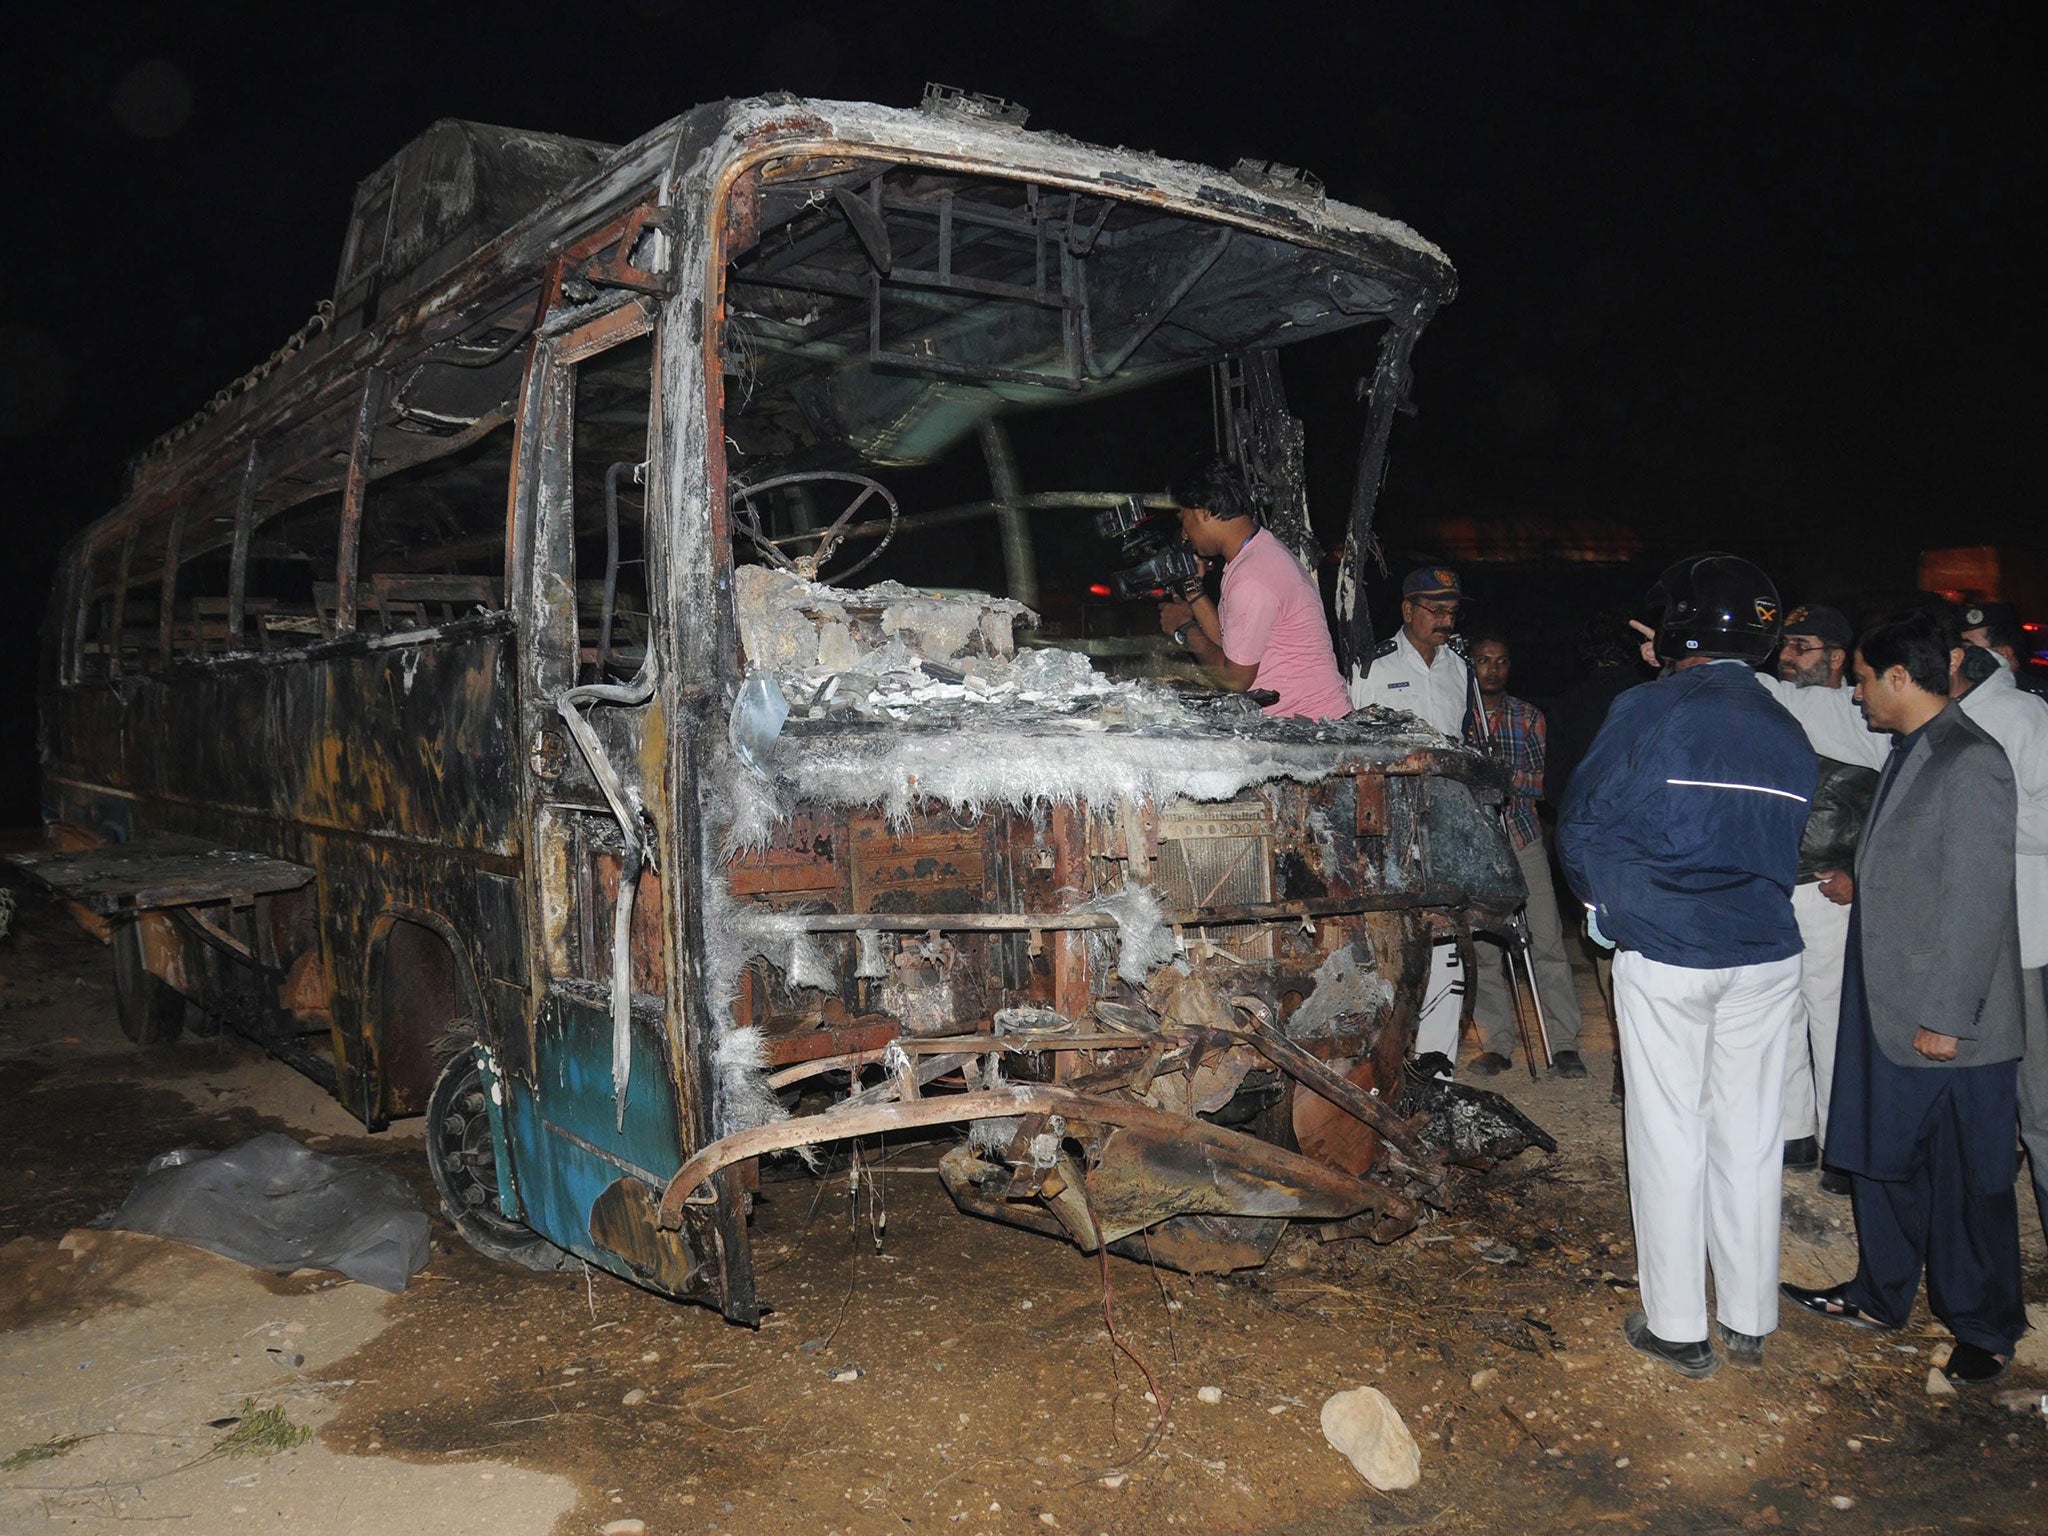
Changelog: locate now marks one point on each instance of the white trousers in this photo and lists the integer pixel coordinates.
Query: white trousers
(1704, 1051)
(1443, 1001)
(1810, 1062)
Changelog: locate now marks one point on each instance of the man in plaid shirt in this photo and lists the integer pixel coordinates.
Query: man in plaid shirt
(1515, 735)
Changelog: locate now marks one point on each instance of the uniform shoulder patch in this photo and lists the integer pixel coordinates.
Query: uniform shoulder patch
(1385, 648)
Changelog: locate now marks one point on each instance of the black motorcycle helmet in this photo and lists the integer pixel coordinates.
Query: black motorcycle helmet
(1714, 605)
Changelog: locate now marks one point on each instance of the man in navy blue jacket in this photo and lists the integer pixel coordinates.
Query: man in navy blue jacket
(1680, 832)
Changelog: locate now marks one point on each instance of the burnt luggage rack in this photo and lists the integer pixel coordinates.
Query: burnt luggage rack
(180, 877)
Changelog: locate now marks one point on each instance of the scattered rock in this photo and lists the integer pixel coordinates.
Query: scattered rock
(1621, 1462)
(635, 1398)
(627, 1527)
(845, 1374)
(2032, 1348)
(1484, 1378)
(1367, 1429)
(1210, 1395)
(1855, 1444)
(1112, 1480)
(1939, 1385)
(1842, 1501)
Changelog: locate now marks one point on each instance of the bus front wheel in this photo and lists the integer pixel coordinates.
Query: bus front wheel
(464, 1161)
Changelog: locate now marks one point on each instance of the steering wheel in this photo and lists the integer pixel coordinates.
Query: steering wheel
(809, 567)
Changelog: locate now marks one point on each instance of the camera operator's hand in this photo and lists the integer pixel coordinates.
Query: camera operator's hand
(1191, 590)
(1172, 615)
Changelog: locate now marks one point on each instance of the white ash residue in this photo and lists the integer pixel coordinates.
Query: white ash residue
(1143, 941)
(745, 810)
(992, 1135)
(1346, 983)
(1025, 758)
(733, 934)
(744, 1099)
(801, 629)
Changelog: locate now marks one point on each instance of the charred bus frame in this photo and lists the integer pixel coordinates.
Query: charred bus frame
(496, 831)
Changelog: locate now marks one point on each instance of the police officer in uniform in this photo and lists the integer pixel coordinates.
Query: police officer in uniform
(1680, 831)
(1996, 627)
(1419, 671)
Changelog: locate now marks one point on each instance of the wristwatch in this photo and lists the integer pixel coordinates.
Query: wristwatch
(1180, 636)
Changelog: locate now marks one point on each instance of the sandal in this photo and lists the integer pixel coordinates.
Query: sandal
(1970, 1366)
(1830, 1302)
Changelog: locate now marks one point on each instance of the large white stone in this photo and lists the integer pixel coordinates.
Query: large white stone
(1368, 1430)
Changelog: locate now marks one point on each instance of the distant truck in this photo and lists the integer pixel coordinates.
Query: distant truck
(471, 704)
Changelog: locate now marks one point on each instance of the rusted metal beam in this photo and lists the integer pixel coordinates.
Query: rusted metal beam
(1016, 1100)
(348, 556)
(238, 557)
(1316, 1076)
(167, 613)
(1052, 922)
(1071, 984)
(798, 1050)
(931, 1045)
(963, 922)
(117, 606)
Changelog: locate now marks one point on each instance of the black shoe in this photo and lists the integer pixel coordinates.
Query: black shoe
(1830, 1302)
(1743, 1348)
(1834, 1182)
(1803, 1153)
(1972, 1366)
(1567, 1064)
(1694, 1360)
(1490, 1064)
(1433, 1064)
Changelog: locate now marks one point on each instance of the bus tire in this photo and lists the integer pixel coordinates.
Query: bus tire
(151, 1010)
(464, 1163)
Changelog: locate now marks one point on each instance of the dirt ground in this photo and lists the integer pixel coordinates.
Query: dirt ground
(920, 1370)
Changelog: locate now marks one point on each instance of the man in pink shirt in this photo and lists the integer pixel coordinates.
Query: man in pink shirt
(1267, 631)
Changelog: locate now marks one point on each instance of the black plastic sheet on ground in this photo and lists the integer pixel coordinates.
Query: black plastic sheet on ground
(277, 1205)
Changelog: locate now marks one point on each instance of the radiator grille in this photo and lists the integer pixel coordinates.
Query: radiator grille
(1219, 856)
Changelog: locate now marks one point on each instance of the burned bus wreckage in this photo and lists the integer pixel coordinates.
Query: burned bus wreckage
(476, 704)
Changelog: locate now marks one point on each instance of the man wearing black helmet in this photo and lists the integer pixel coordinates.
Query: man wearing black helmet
(1680, 832)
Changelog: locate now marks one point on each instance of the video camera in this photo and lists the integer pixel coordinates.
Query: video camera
(1163, 562)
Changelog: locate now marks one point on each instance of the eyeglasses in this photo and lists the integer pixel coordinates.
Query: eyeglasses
(1437, 610)
(1806, 648)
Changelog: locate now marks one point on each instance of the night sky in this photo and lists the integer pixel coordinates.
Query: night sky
(1744, 277)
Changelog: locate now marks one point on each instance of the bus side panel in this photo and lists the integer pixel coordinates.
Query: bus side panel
(392, 919)
(389, 769)
(569, 1146)
(410, 741)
